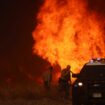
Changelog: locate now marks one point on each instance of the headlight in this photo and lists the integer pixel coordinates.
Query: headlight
(80, 84)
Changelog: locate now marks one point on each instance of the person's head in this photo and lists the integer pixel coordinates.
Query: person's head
(68, 67)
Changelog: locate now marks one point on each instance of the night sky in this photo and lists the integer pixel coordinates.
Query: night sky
(18, 20)
(17, 23)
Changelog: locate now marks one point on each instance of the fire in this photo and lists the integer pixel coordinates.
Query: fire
(68, 33)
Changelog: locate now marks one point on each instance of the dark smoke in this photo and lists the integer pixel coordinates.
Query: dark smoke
(97, 6)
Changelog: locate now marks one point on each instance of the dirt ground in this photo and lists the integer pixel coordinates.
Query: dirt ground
(50, 98)
(39, 97)
(44, 101)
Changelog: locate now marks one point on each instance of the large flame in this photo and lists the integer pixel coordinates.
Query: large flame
(67, 33)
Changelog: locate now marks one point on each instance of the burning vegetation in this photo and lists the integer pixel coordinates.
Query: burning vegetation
(67, 32)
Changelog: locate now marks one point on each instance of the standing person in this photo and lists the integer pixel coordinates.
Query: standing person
(65, 81)
(47, 78)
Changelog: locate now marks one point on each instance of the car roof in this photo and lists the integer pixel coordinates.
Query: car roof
(97, 61)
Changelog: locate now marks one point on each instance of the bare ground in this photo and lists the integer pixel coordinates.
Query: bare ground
(40, 97)
(44, 101)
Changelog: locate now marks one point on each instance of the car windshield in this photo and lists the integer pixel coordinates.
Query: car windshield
(93, 72)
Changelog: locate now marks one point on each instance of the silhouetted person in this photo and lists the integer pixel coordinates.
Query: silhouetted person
(47, 78)
(65, 81)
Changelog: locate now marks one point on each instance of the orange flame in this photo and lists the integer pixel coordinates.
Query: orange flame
(67, 33)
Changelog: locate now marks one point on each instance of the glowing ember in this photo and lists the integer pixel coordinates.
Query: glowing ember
(67, 33)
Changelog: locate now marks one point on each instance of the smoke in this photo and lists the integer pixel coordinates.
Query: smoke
(97, 6)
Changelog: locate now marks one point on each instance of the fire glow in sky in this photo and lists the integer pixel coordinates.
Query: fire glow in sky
(68, 33)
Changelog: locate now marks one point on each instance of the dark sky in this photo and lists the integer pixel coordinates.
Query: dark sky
(17, 23)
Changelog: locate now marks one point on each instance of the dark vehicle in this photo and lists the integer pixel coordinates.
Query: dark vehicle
(89, 87)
